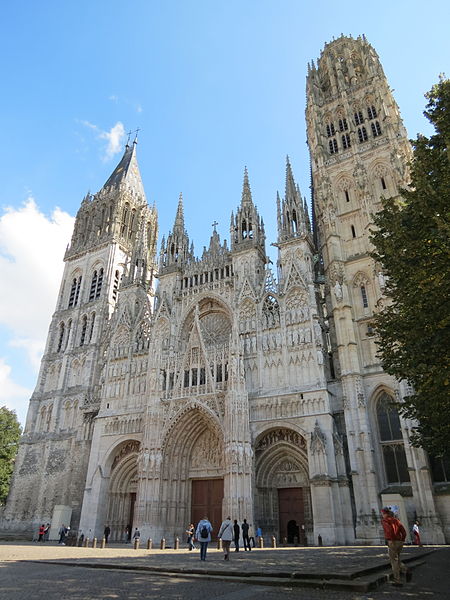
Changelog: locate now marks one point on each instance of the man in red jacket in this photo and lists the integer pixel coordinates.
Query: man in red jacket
(395, 534)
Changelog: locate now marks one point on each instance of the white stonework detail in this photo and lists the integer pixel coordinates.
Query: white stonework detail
(227, 387)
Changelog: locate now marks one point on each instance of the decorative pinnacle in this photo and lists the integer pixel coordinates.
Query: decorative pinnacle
(246, 191)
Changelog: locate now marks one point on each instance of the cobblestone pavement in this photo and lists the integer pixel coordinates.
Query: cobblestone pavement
(338, 560)
(21, 578)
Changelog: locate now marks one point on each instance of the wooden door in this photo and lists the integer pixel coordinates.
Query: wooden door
(291, 512)
(206, 500)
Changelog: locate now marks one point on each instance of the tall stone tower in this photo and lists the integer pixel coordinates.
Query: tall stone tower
(359, 154)
(113, 244)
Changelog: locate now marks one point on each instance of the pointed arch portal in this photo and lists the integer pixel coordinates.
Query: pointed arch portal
(123, 490)
(193, 469)
(282, 494)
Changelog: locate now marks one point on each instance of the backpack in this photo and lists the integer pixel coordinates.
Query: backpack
(204, 532)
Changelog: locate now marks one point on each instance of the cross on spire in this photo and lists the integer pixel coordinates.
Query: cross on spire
(136, 131)
(214, 225)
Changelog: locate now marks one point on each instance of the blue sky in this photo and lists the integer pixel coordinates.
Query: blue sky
(213, 86)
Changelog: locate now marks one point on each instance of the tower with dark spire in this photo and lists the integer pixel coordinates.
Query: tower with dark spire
(112, 247)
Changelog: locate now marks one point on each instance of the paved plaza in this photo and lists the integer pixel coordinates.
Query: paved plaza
(119, 572)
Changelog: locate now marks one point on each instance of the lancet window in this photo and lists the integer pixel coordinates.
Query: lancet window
(83, 330)
(391, 441)
(61, 337)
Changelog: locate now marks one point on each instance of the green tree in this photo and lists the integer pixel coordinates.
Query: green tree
(10, 431)
(412, 243)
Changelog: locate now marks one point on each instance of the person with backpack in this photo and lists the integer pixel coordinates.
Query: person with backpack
(226, 535)
(203, 535)
(395, 535)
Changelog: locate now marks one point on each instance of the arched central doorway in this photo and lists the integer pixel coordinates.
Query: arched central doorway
(192, 471)
(282, 494)
(123, 490)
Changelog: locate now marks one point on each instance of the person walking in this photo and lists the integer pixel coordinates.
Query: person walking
(251, 535)
(41, 533)
(106, 533)
(62, 535)
(190, 536)
(236, 530)
(416, 534)
(395, 534)
(136, 534)
(226, 535)
(47, 532)
(245, 536)
(203, 535)
(258, 534)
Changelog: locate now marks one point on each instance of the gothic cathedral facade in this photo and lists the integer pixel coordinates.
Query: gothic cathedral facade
(185, 386)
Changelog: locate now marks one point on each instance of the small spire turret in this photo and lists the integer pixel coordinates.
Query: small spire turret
(247, 227)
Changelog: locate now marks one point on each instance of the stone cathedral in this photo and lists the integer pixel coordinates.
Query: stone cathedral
(174, 385)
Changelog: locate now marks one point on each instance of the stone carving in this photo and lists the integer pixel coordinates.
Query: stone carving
(318, 440)
(206, 452)
(131, 447)
(280, 435)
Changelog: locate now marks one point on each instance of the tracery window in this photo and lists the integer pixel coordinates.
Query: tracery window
(330, 130)
(391, 441)
(346, 141)
(371, 112)
(362, 134)
(358, 117)
(271, 311)
(333, 146)
(376, 129)
(343, 126)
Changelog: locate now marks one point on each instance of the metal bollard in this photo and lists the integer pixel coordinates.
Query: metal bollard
(219, 544)
(176, 543)
(103, 542)
(86, 542)
(162, 545)
(137, 541)
(94, 543)
(149, 544)
(285, 541)
(260, 542)
(274, 542)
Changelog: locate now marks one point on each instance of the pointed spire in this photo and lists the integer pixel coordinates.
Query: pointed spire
(246, 191)
(179, 217)
(290, 191)
(127, 173)
(278, 211)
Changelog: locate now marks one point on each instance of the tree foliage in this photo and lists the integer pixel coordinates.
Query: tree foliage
(9, 442)
(412, 242)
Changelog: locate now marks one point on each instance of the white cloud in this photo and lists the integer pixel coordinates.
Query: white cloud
(115, 138)
(13, 395)
(32, 247)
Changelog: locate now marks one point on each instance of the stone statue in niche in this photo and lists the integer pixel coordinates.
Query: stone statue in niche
(337, 288)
